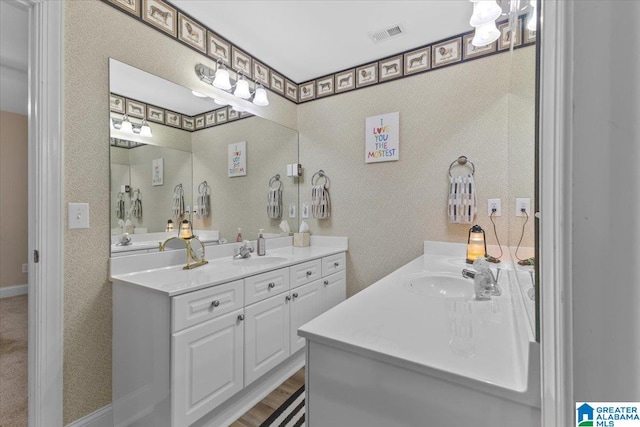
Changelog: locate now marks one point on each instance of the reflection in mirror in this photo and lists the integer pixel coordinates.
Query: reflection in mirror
(146, 172)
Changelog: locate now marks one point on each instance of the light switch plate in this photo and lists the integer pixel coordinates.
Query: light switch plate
(78, 215)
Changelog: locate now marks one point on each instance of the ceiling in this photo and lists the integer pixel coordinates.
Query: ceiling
(308, 39)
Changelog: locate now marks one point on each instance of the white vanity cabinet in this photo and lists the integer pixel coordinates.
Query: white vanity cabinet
(203, 357)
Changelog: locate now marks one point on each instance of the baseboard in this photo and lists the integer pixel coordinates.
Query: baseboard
(13, 291)
(103, 417)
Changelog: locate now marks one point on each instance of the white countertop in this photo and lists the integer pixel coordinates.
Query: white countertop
(173, 280)
(462, 339)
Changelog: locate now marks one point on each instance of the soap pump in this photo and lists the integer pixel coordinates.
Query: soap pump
(239, 238)
(261, 244)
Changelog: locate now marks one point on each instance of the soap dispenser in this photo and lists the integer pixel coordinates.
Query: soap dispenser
(239, 238)
(261, 244)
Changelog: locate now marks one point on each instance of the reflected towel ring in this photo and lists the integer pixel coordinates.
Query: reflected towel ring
(320, 174)
(462, 161)
(275, 178)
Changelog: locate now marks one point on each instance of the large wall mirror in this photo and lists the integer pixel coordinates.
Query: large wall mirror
(193, 142)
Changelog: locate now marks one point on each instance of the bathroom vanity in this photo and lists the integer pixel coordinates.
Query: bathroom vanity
(417, 349)
(200, 347)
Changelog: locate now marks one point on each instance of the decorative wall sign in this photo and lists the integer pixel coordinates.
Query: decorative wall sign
(116, 103)
(157, 172)
(160, 15)
(346, 81)
(390, 68)
(191, 32)
(237, 159)
(136, 109)
(447, 52)
(382, 138)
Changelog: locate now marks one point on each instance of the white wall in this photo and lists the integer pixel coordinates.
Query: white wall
(606, 201)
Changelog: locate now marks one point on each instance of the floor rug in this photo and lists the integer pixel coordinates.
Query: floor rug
(290, 413)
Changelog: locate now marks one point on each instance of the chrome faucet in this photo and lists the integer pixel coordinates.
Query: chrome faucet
(244, 251)
(486, 288)
(124, 240)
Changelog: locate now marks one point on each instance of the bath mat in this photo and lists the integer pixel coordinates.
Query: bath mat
(290, 413)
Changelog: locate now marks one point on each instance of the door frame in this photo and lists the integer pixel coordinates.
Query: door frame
(555, 172)
(45, 212)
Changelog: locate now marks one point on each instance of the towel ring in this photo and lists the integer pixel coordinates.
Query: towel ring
(320, 174)
(204, 188)
(462, 161)
(275, 178)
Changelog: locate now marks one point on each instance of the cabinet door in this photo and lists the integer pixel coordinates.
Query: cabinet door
(266, 336)
(206, 367)
(334, 290)
(306, 303)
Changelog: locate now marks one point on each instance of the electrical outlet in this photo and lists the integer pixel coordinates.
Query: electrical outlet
(523, 203)
(25, 268)
(494, 204)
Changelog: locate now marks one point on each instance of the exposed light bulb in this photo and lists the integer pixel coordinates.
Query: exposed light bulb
(260, 99)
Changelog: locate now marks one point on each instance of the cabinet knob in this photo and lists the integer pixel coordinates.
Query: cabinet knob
(309, 273)
(295, 295)
(336, 264)
(326, 282)
(272, 285)
(241, 317)
(287, 298)
(215, 303)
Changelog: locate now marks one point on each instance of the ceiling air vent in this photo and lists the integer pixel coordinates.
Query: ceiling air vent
(387, 33)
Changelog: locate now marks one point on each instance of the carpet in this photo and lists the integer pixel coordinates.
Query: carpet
(13, 361)
(290, 413)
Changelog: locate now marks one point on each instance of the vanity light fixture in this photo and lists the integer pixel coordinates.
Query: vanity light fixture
(533, 19)
(485, 14)
(476, 244)
(125, 125)
(198, 94)
(222, 80)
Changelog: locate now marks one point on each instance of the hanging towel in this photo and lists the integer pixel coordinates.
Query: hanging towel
(178, 201)
(274, 203)
(120, 206)
(203, 199)
(462, 207)
(136, 204)
(320, 202)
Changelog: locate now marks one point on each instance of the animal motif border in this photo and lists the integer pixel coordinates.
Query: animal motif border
(217, 47)
(390, 68)
(367, 75)
(189, 31)
(160, 15)
(324, 86)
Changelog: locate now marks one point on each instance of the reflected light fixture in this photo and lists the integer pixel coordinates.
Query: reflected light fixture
(486, 12)
(221, 79)
(126, 125)
(145, 129)
(533, 20)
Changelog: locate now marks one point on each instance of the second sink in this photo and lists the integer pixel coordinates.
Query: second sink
(441, 285)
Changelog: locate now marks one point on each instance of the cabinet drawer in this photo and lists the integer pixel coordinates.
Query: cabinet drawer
(306, 272)
(333, 264)
(263, 286)
(199, 306)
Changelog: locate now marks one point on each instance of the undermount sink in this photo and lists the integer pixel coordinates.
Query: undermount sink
(256, 260)
(441, 285)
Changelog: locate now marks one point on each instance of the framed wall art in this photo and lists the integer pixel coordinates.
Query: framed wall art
(367, 75)
(160, 15)
(219, 48)
(345, 81)
(237, 159)
(116, 103)
(136, 109)
(447, 52)
(155, 114)
(192, 33)
(390, 68)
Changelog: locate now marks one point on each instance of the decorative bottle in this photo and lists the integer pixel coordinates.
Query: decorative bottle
(262, 250)
(239, 238)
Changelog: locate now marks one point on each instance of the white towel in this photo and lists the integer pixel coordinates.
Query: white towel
(320, 202)
(462, 207)
(274, 203)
